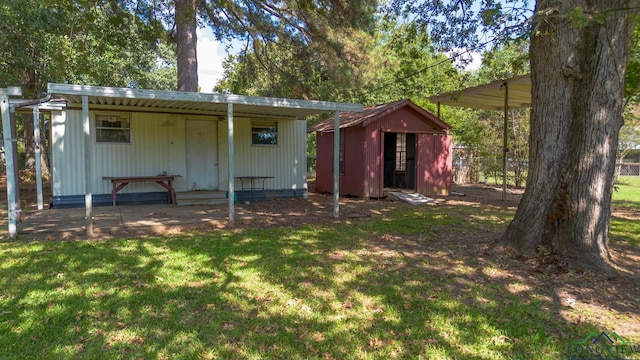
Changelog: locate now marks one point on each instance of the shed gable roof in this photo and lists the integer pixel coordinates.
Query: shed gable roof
(373, 113)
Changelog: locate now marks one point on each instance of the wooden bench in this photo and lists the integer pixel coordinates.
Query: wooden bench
(119, 182)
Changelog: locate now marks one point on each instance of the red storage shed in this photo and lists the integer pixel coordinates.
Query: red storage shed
(394, 145)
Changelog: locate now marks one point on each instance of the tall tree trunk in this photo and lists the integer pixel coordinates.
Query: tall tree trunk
(187, 41)
(579, 52)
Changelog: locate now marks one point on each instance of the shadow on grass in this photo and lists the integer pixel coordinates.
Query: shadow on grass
(626, 204)
(411, 284)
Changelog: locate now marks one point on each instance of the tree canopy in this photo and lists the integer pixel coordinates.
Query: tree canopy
(268, 29)
(396, 61)
(84, 42)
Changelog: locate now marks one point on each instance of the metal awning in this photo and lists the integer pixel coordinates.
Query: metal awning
(193, 103)
(500, 95)
(490, 96)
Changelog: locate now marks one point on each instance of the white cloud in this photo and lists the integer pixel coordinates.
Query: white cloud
(211, 53)
(476, 61)
(464, 58)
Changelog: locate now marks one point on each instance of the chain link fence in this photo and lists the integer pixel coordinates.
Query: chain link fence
(469, 168)
(628, 169)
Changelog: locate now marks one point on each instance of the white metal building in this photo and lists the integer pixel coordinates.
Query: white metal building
(206, 140)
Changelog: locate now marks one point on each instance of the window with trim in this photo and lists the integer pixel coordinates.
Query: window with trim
(341, 156)
(113, 128)
(401, 152)
(264, 132)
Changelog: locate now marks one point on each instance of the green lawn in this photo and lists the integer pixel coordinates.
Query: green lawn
(626, 196)
(627, 192)
(402, 285)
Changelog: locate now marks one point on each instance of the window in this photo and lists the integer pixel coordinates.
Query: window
(264, 132)
(401, 152)
(341, 155)
(113, 128)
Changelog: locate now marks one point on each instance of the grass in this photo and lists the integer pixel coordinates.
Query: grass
(626, 196)
(497, 180)
(390, 287)
(627, 192)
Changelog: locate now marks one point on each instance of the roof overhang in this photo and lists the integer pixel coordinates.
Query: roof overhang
(490, 96)
(193, 103)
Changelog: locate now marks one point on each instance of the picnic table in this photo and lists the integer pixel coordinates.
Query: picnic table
(119, 182)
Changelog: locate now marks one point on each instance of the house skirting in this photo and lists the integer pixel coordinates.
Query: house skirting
(243, 196)
(142, 198)
(160, 197)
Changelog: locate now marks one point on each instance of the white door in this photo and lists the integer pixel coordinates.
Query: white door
(202, 154)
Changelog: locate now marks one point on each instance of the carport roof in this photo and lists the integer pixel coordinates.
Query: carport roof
(490, 96)
(193, 103)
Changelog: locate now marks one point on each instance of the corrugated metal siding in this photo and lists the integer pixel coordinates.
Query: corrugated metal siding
(286, 161)
(67, 169)
(446, 163)
(223, 155)
(434, 165)
(405, 120)
(158, 144)
(147, 154)
(175, 127)
(373, 144)
(352, 182)
(324, 162)
(425, 155)
(358, 174)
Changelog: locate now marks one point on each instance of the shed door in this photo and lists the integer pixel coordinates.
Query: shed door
(202, 154)
(411, 161)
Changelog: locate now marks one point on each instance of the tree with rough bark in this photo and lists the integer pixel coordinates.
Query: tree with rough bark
(186, 23)
(579, 52)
